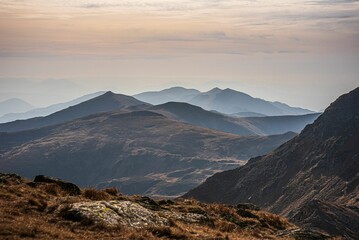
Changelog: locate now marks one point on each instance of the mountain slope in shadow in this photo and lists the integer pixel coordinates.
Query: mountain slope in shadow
(321, 163)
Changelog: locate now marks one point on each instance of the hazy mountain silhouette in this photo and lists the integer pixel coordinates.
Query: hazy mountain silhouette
(40, 112)
(140, 152)
(281, 124)
(180, 111)
(305, 176)
(244, 126)
(104, 103)
(175, 94)
(226, 101)
(14, 105)
(230, 101)
(247, 114)
(198, 116)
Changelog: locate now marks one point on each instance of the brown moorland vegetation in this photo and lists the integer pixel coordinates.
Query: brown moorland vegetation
(47, 210)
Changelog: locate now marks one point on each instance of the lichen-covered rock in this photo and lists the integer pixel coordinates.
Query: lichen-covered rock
(187, 217)
(112, 213)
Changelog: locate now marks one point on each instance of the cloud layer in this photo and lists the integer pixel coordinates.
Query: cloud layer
(172, 27)
(284, 44)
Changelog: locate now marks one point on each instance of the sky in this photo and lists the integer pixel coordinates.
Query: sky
(301, 52)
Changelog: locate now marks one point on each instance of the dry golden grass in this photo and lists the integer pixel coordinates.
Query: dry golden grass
(30, 210)
(96, 195)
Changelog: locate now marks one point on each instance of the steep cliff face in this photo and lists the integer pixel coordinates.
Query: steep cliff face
(321, 163)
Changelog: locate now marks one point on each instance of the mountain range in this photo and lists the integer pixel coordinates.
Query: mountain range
(164, 150)
(170, 148)
(141, 152)
(183, 112)
(313, 179)
(227, 101)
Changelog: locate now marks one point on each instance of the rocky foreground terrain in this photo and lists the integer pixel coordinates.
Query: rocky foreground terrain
(49, 208)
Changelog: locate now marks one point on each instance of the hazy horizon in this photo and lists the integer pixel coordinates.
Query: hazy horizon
(303, 53)
(48, 92)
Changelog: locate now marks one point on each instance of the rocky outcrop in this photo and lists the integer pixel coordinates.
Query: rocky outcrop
(68, 187)
(126, 213)
(336, 219)
(7, 178)
(113, 213)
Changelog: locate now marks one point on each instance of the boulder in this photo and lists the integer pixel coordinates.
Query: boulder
(5, 178)
(68, 187)
(112, 213)
(247, 206)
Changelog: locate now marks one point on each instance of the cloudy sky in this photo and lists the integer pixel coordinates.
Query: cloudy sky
(302, 52)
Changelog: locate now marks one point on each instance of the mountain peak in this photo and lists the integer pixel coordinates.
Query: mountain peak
(176, 88)
(346, 102)
(109, 93)
(215, 90)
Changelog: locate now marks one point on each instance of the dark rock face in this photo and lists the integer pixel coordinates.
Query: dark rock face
(68, 187)
(322, 163)
(307, 234)
(334, 218)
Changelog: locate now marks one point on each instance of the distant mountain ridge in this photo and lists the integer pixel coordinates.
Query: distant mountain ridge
(243, 126)
(174, 94)
(14, 105)
(313, 179)
(227, 101)
(184, 112)
(41, 112)
(104, 103)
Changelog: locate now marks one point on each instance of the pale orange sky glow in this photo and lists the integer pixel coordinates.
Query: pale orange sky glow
(291, 51)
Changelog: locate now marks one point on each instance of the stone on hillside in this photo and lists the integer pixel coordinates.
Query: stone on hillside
(112, 213)
(68, 187)
(149, 203)
(247, 206)
(5, 178)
